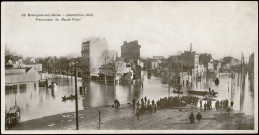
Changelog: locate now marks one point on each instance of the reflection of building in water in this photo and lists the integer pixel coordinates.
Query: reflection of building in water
(86, 93)
(52, 93)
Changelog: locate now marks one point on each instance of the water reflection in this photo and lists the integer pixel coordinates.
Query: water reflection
(36, 102)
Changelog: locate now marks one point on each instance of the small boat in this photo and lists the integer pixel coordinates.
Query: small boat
(71, 97)
(217, 81)
(201, 93)
(207, 98)
(13, 116)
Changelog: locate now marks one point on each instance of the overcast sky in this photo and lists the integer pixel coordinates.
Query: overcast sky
(162, 28)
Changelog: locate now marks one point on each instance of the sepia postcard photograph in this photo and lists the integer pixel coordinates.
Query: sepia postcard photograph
(129, 67)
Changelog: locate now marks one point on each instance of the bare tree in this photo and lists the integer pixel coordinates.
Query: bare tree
(11, 55)
(104, 59)
(119, 67)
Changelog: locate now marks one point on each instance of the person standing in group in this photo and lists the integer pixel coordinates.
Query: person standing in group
(133, 102)
(208, 105)
(200, 104)
(228, 110)
(118, 104)
(226, 103)
(221, 104)
(155, 108)
(145, 99)
(148, 104)
(191, 117)
(138, 113)
(205, 106)
(115, 103)
(138, 104)
(198, 117)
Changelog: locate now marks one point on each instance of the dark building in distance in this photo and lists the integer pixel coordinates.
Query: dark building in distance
(85, 51)
(130, 51)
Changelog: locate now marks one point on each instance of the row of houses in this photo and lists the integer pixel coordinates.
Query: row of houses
(20, 73)
(185, 63)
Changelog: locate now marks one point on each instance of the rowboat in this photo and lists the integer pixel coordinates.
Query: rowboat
(71, 97)
(201, 93)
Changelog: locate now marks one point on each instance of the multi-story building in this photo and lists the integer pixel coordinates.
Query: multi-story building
(184, 62)
(130, 51)
(91, 50)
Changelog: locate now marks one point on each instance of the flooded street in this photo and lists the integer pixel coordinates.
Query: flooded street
(37, 102)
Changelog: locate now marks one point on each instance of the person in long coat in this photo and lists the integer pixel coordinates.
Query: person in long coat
(191, 117)
(138, 113)
(205, 106)
(198, 117)
(145, 99)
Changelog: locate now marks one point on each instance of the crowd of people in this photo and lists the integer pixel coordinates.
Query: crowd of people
(145, 105)
(174, 101)
(219, 105)
(207, 105)
(211, 92)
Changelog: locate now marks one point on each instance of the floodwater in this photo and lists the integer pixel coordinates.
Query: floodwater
(37, 102)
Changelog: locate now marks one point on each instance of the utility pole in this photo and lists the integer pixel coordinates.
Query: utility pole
(76, 98)
(67, 69)
(47, 85)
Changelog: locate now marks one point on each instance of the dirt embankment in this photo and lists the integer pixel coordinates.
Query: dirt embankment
(125, 119)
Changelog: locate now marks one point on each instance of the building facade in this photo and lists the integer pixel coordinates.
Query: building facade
(91, 50)
(130, 51)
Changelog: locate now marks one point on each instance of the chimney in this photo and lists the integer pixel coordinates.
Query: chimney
(124, 42)
(191, 47)
(136, 41)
